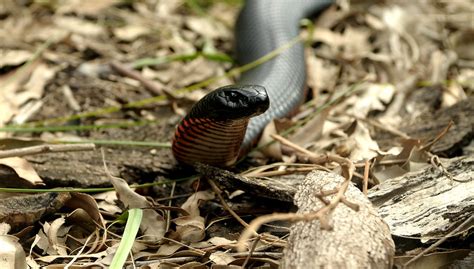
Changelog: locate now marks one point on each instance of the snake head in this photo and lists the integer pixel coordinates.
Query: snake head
(232, 102)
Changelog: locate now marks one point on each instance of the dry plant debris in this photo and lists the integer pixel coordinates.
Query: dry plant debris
(391, 92)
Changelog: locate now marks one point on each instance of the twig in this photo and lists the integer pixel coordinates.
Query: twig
(436, 162)
(148, 84)
(319, 159)
(386, 128)
(437, 138)
(255, 171)
(252, 249)
(285, 172)
(365, 180)
(168, 212)
(45, 149)
(440, 241)
(218, 192)
(292, 145)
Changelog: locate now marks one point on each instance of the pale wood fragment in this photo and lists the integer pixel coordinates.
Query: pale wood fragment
(358, 239)
(428, 203)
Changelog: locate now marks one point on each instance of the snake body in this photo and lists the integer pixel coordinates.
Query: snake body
(220, 126)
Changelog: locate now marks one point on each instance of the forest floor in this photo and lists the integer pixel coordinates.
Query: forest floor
(91, 92)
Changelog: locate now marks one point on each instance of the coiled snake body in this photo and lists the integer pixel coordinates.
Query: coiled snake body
(219, 127)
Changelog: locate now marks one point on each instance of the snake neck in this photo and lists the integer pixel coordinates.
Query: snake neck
(203, 140)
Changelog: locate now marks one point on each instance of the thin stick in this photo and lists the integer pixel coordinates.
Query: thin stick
(218, 192)
(386, 128)
(294, 146)
(365, 180)
(45, 149)
(150, 85)
(440, 241)
(252, 249)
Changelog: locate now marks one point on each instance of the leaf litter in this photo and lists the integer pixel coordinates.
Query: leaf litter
(387, 52)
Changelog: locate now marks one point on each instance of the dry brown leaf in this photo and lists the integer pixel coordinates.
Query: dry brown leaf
(7, 110)
(375, 98)
(221, 241)
(352, 44)
(191, 228)
(206, 27)
(409, 159)
(79, 26)
(23, 169)
(13, 57)
(34, 88)
(195, 71)
(168, 249)
(57, 236)
(91, 8)
(321, 73)
(311, 131)
(51, 239)
(84, 220)
(221, 258)
(106, 202)
(153, 224)
(130, 32)
(361, 145)
(192, 203)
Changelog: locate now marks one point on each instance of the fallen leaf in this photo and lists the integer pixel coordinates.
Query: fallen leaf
(221, 258)
(206, 27)
(374, 98)
(130, 32)
(23, 169)
(153, 224)
(221, 241)
(168, 249)
(13, 57)
(79, 26)
(57, 237)
(34, 88)
(192, 203)
(360, 144)
(191, 228)
(91, 8)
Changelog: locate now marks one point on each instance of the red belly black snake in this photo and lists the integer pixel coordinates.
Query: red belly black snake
(226, 122)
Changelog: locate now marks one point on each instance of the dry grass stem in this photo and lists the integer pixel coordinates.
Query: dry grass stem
(19, 152)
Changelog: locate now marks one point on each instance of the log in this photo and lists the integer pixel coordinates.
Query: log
(428, 203)
(358, 239)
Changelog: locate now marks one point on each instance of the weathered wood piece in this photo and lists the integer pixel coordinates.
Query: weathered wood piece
(359, 239)
(21, 211)
(427, 203)
(277, 189)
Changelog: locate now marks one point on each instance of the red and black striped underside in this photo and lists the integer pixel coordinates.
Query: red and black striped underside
(208, 141)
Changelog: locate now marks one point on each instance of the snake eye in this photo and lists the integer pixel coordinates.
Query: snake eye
(235, 97)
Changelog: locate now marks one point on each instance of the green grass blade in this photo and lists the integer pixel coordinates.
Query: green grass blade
(131, 230)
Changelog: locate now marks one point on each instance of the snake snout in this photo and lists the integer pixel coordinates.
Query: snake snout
(258, 98)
